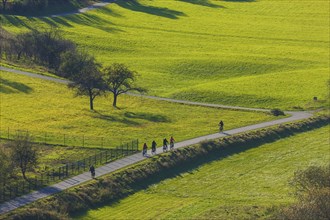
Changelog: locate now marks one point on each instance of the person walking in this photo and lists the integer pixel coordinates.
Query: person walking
(153, 147)
(92, 170)
(221, 124)
(145, 149)
(172, 143)
(165, 143)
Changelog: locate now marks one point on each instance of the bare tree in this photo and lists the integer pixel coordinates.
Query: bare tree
(23, 153)
(119, 79)
(4, 3)
(84, 73)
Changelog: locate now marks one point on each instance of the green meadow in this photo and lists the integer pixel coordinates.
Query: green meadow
(50, 109)
(255, 53)
(245, 185)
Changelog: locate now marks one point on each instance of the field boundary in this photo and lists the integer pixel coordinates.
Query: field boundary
(126, 181)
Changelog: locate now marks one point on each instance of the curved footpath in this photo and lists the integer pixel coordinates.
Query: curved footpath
(121, 163)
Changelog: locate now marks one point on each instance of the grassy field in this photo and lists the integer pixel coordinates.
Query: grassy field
(46, 107)
(261, 53)
(243, 185)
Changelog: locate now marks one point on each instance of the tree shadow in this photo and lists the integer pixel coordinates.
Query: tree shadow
(55, 21)
(108, 11)
(58, 21)
(239, 0)
(7, 87)
(147, 116)
(112, 118)
(14, 21)
(136, 6)
(205, 3)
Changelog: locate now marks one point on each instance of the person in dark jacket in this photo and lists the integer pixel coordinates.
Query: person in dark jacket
(165, 143)
(92, 170)
(145, 149)
(221, 124)
(153, 147)
(171, 143)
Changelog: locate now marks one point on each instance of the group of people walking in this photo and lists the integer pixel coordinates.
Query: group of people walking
(154, 146)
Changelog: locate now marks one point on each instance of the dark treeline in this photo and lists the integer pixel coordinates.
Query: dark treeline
(40, 47)
(23, 6)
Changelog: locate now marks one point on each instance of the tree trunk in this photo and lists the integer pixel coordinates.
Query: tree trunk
(23, 173)
(114, 104)
(4, 4)
(91, 100)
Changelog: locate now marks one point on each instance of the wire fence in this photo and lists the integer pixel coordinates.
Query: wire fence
(10, 189)
(58, 138)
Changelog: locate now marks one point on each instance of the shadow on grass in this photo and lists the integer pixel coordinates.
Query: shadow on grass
(205, 3)
(147, 116)
(7, 87)
(80, 19)
(239, 0)
(112, 118)
(162, 12)
(13, 21)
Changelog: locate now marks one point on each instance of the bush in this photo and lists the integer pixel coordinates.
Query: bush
(277, 112)
(313, 191)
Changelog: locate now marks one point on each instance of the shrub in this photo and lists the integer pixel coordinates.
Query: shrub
(313, 191)
(277, 112)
